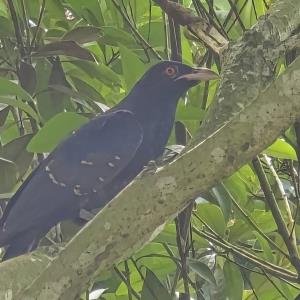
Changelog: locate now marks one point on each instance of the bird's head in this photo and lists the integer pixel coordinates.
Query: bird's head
(174, 77)
(164, 83)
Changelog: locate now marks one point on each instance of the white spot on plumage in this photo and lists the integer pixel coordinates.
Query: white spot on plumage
(53, 179)
(117, 157)
(101, 179)
(51, 176)
(4, 227)
(77, 191)
(94, 190)
(85, 162)
(111, 164)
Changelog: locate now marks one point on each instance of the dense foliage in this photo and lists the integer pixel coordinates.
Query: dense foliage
(63, 61)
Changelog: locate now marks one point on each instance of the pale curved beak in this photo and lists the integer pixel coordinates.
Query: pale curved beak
(200, 74)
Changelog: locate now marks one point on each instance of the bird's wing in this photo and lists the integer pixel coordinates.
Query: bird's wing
(97, 153)
(81, 165)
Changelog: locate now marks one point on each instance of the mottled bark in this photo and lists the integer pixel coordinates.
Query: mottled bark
(250, 111)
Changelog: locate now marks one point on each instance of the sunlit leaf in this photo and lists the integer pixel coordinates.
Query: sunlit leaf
(54, 131)
(202, 270)
(8, 87)
(234, 281)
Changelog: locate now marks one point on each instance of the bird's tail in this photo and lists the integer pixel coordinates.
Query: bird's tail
(20, 245)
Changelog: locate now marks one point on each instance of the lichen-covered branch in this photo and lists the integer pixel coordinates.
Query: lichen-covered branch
(253, 116)
(249, 64)
(128, 222)
(197, 25)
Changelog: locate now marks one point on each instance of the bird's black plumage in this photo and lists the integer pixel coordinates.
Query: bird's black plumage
(98, 160)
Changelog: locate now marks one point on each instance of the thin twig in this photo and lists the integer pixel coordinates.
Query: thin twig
(136, 32)
(290, 220)
(38, 24)
(252, 223)
(255, 261)
(228, 245)
(16, 27)
(282, 228)
(124, 279)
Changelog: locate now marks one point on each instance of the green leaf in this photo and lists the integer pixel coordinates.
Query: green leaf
(136, 281)
(68, 48)
(83, 34)
(233, 281)
(153, 289)
(202, 270)
(87, 90)
(264, 244)
(92, 106)
(114, 36)
(21, 105)
(213, 216)
(281, 149)
(16, 151)
(9, 88)
(54, 131)
(3, 114)
(6, 28)
(264, 220)
(99, 71)
(237, 188)
(189, 112)
(47, 105)
(224, 199)
(27, 76)
(132, 67)
(8, 175)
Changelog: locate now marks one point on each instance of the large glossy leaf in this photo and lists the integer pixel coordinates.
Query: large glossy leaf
(10, 88)
(153, 289)
(224, 199)
(99, 71)
(4, 110)
(16, 151)
(83, 34)
(213, 216)
(233, 280)
(132, 67)
(114, 36)
(202, 270)
(8, 175)
(21, 105)
(27, 77)
(54, 131)
(68, 48)
(281, 149)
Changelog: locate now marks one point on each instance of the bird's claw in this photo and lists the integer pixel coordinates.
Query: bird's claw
(86, 215)
(151, 168)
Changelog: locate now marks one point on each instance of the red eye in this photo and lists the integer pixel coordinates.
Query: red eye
(170, 71)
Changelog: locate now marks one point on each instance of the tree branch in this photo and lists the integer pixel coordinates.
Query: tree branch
(128, 222)
(249, 64)
(197, 25)
(282, 227)
(103, 242)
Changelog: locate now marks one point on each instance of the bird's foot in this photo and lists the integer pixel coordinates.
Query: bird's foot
(151, 168)
(86, 215)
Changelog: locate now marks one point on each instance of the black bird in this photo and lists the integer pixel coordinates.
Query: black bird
(92, 165)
